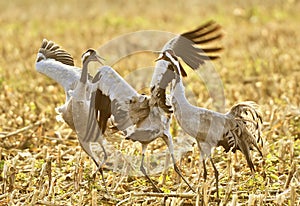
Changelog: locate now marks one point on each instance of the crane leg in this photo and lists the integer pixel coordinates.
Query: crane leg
(100, 169)
(216, 176)
(203, 161)
(203, 202)
(145, 173)
(179, 172)
(169, 142)
(101, 165)
(204, 170)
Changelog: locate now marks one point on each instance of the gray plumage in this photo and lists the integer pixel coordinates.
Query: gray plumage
(194, 48)
(142, 118)
(109, 94)
(93, 102)
(112, 97)
(58, 64)
(237, 129)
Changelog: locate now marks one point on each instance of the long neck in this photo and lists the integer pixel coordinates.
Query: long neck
(160, 68)
(84, 73)
(178, 93)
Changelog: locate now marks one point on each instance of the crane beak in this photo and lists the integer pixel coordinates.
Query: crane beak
(161, 57)
(99, 59)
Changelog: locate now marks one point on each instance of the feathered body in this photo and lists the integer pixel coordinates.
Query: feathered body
(211, 129)
(58, 64)
(112, 97)
(237, 129)
(90, 103)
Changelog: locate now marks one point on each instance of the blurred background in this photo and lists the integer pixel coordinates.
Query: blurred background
(260, 62)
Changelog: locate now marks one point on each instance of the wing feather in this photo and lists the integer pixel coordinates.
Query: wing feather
(185, 45)
(202, 30)
(102, 109)
(110, 97)
(52, 51)
(192, 47)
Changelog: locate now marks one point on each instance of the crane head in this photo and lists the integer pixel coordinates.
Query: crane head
(170, 56)
(91, 55)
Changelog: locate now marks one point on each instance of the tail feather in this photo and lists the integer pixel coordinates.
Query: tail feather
(244, 130)
(249, 113)
(139, 109)
(244, 147)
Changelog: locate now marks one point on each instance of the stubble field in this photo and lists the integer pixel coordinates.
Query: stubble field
(41, 162)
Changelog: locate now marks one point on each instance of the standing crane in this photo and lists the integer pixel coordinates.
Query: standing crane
(59, 65)
(238, 129)
(141, 118)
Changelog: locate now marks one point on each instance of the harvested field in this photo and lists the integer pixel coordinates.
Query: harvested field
(41, 161)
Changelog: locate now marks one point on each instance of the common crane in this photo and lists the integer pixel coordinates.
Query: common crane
(239, 128)
(141, 117)
(59, 65)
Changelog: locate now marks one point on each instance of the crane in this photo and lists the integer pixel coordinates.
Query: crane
(238, 129)
(59, 65)
(107, 95)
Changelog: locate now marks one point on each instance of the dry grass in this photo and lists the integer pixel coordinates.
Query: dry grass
(42, 163)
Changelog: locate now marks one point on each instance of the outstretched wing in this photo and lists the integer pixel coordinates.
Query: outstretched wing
(50, 50)
(57, 64)
(193, 46)
(112, 96)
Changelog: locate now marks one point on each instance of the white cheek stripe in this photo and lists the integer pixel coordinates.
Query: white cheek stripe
(175, 62)
(85, 56)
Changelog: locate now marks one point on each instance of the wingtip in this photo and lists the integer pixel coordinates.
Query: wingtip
(51, 50)
(199, 45)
